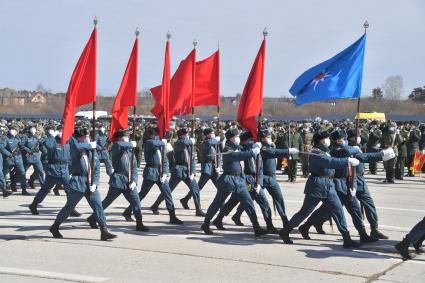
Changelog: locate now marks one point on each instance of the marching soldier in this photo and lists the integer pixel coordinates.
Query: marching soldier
(402, 154)
(83, 183)
(292, 139)
(155, 172)
(280, 144)
(209, 163)
(373, 144)
(232, 181)
(321, 188)
(13, 159)
(416, 237)
(102, 149)
(31, 149)
(6, 192)
(254, 181)
(183, 169)
(123, 180)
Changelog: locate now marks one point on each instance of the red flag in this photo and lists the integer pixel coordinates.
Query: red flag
(181, 89)
(127, 93)
(251, 102)
(162, 96)
(207, 89)
(82, 87)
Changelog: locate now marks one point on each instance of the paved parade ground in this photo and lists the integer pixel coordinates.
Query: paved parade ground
(170, 253)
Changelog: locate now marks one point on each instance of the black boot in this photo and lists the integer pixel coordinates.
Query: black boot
(6, 193)
(206, 228)
(56, 191)
(418, 245)
(127, 214)
(25, 192)
(319, 228)
(348, 242)
(218, 222)
(365, 238)
(154, 209)
(375, 233)
(184, 202)
(173, 218)
(270, 228)
(33, 208)
(284, 235)
(237, 219)
(105, 235)
(200, 213)
(258, 231)
(31, 183)
(75, 213)
(140, 226)
(304, 229)
(92, 222)
(54, 229)
(403, 249)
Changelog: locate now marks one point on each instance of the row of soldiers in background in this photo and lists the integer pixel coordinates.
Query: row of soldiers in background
(21, 141)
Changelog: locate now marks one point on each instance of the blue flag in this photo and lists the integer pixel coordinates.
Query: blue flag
(339, 77)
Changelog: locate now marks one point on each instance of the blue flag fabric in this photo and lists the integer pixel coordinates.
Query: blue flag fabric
(339, 77)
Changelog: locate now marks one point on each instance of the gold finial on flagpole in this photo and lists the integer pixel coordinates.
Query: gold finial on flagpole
(365, 25)
(168, 35)
(95, 21)
(265, 32)
(137, 32)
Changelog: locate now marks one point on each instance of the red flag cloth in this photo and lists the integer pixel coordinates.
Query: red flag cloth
(162, 96)
(127, 93)
(207, 89)
(180, 93)
(418, 162)
(82, 87)
(251, 102)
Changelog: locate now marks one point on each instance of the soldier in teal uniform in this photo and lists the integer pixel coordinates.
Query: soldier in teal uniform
(83, 183)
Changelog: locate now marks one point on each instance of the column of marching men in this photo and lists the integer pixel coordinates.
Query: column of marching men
(241, 170)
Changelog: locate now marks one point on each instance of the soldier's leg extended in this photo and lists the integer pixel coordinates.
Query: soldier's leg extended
(415, 236)
(39, 172)
(145, 189)
(202, 182)
(248, 206)
(225, 210)
(108, 166)
(371, 213)
(194, 189)
(20, 171)
(93, 198)
(219, 199)
(112, 194)
(48, 184)
(174, 181)
(399, 168)
(292, 174)
(276, 194)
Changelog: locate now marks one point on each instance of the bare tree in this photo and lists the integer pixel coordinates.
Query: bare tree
(393, 87)
(377, 93)
(40, 88)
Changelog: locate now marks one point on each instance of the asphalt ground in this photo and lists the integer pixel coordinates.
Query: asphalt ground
(171, 253)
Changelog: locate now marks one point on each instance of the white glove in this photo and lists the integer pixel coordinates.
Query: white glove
(423, 151)
(257, 189)
(397, 131)
(93, 144)
(293, 151)
(133, 144)
(353, 161)
(378, 145)
(353, 192)
(164, 141)
(259, 144)
(358, 148)
(191, 177)
(192, 140)
(163, 179)
(388, 154)
(93, 188)
(132, 185)
(217, 138)
(255, 150)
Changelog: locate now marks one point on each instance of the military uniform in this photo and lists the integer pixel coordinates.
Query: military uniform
(293, 140)
(13, 161)
(307, 138)
(32, 157)
(102, 149)
(402, 155)
(415, 236)
(373, 145)
(390, 139)
(183, 170)
(6, 193)
(280, 143)
(83, 183)
(232, 181)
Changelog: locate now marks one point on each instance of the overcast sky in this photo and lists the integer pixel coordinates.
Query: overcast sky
(42, 40)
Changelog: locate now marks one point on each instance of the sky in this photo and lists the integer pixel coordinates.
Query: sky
(42, 40)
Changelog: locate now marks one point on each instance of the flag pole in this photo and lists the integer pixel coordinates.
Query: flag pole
(133, 134)
(352, 173)
(195, 43)
(217, 161)
(93, 134)
(165, 115)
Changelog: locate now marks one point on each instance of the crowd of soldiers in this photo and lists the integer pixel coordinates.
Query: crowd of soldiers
(332, 156)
